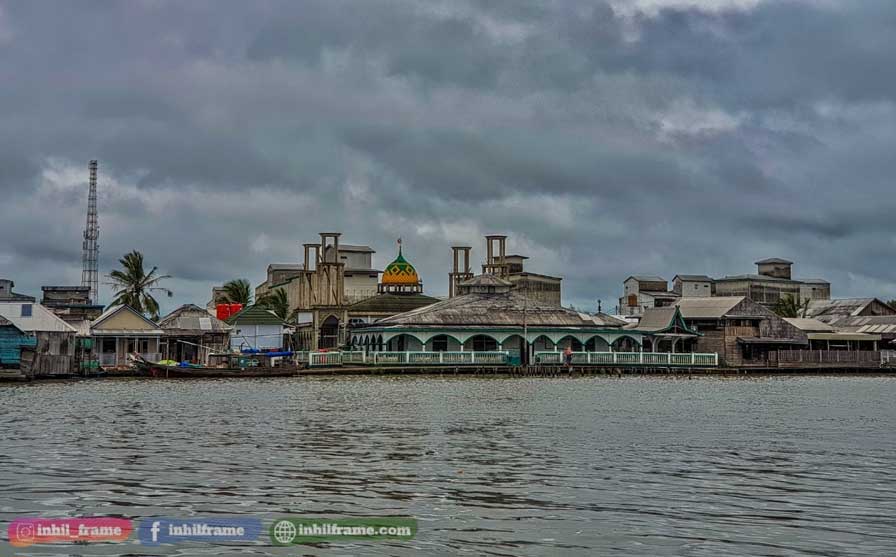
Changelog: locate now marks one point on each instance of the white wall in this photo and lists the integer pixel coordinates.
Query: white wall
(698, 289)
(256, 336)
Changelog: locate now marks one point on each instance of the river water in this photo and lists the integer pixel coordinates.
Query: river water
(590, 466)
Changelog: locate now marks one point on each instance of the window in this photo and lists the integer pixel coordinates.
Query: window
(440, 343)
(26, 310)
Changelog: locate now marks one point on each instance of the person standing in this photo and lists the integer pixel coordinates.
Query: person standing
(567, 357)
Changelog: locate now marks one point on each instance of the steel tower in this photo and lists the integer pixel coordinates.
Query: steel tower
(90, 273)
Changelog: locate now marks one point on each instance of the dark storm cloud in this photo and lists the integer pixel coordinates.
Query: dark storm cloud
(689, 137)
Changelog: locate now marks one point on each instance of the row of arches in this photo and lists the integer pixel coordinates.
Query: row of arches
(483, 342)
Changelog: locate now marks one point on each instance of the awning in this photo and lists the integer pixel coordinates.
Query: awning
(842, 336)
(769, 340)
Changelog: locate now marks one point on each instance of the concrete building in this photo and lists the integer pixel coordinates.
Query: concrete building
(643, 292)
(278, 274)
(7, 294)
(219, 296)
(543, 289)
(772, 283)
(71, 303)
(692, 286)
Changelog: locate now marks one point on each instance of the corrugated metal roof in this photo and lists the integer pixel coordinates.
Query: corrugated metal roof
(842, 306)
(753, 277)
(809, 325)
(875, 324)
(655, 319)
(41, 318)
(702, 278)
(842, 336)
(189, 317)
(647, 278)
(709, 307)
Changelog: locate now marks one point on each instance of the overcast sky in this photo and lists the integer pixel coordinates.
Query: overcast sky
(606, 138)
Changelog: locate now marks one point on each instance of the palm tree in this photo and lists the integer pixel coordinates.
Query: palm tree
(276, 301)
(134, 286)
(790, 306)
(238, 291)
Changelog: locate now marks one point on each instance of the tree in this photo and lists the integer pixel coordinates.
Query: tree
(134, 286)
(238, 291)
(276, 301)
(790, 306)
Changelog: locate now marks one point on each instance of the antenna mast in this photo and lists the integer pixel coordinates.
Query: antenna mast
(90, 255)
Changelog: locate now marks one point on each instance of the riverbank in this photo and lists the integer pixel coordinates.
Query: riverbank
(499, 371)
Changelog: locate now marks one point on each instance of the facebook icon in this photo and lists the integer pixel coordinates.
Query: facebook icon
(156, 531)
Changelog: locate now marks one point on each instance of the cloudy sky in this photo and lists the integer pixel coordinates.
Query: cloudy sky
(606, 138)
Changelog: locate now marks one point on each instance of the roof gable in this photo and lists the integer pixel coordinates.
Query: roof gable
(125, 318)
(194, 318)
(714, 307)
(661, 320)
(255, 315)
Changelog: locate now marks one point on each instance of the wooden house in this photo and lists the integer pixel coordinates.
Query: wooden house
(742, 332)
(46, 342)
(121, 330)
(189, 333)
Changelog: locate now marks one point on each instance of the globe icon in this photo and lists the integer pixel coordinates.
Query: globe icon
(284, 532)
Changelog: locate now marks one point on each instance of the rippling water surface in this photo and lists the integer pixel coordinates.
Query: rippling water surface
(592, 466)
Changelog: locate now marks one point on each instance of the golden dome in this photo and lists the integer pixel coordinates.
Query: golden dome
(400, 273)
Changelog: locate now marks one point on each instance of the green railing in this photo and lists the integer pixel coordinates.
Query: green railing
(631, 358)
(439, 358)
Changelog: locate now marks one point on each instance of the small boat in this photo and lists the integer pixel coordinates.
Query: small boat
(221, 365)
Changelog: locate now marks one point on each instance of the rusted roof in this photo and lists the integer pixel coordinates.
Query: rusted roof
(192, 318)
(498, 309)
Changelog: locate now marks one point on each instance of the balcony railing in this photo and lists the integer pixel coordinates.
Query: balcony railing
(631, 358)
(440, 358)
(502, 358)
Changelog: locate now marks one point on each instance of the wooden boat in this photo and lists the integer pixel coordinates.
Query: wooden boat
(228, 365)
